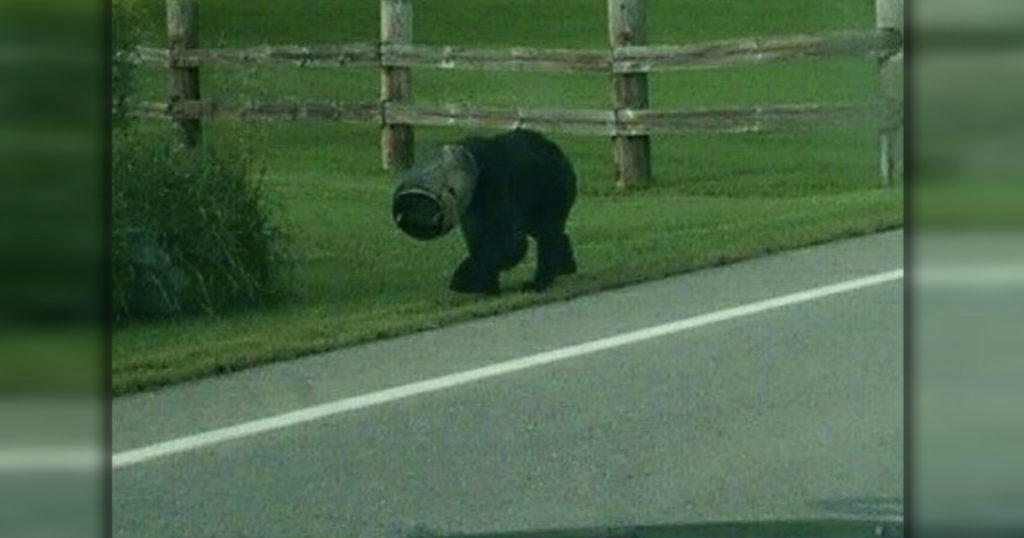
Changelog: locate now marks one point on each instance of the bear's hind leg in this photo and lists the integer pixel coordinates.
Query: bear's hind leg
(551, 259)
(568, 256)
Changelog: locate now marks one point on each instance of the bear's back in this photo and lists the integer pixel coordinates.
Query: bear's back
(523, 158)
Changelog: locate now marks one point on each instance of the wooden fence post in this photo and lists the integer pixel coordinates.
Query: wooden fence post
(889, 17)
(396, 140)
(627, 25)
(183, 82)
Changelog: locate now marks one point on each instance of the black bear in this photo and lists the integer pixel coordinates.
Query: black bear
(499, 190)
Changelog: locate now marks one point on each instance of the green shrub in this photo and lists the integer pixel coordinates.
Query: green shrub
(190, 230)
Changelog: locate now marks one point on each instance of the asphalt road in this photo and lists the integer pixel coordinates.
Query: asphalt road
(789, 412)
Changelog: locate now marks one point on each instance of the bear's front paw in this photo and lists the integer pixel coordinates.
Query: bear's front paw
(463, 288)
(470, 277)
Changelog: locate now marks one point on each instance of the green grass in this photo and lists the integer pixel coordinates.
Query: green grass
(715, 198)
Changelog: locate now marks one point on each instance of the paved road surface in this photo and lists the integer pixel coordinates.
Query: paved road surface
(787, 413)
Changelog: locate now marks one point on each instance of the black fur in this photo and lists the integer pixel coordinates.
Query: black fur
(525, 187)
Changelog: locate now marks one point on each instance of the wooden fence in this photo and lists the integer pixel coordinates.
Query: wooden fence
(629, 122)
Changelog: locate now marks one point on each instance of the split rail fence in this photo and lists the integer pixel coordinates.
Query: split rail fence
(629, 122)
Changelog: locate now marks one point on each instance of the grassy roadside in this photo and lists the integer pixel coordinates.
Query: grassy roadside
(153, 355)
(359, 279)
(716, 198)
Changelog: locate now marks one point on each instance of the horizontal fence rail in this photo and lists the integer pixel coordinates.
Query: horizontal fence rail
(627, 59)
(856, 44)
(579, 121)
(504, 59)
(301, 55)
(746, 120)
(369, 112)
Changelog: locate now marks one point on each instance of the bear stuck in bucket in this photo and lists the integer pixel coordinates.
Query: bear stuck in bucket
(434, 192)
(499, 190)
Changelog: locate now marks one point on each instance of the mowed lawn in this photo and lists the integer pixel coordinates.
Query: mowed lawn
(715, 198)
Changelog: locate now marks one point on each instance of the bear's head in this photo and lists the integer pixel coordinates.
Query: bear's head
(434, 192)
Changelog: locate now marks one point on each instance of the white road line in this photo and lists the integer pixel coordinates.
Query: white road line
(344, 405)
